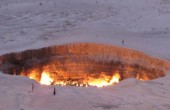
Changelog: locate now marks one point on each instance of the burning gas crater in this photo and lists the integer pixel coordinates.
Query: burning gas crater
(83, 64)
(101, 81)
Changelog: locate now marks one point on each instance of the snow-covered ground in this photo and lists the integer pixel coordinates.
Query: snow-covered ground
(29, 24)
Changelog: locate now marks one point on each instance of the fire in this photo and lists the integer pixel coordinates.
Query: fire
(46, 79)
(98, 80)
(105, 82)
(61, 83)
(144, 77)
(115, 79)
(33, 74)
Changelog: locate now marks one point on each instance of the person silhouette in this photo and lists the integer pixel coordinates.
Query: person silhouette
(123, 42)
(32, 87)
(54, 91)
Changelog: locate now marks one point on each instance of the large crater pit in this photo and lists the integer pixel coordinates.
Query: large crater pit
(83, 64)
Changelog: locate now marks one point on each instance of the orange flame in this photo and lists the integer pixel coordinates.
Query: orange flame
(144, 77)
(115, 78)
(33, 75)
(105, 82)
(46, 79)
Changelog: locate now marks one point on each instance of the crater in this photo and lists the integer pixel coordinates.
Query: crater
(83, 64)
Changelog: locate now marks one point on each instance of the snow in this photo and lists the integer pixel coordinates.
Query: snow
(30, 24)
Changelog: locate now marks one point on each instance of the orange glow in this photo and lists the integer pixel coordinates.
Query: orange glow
(101, 80)
(60, 83)
(105, 81)
(142, 78)
(115, 78)
(50, 76)
(33, 75)
(46, 79)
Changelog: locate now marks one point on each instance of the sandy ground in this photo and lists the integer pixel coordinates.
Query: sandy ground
(29, 24)
(130, 94)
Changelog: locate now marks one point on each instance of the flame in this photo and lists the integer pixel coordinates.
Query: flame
(144, 77)
(105, 82)
(33, 75)
(46, 79)
(115, 78)
(61, 83)
(51, 75)
(100, 80)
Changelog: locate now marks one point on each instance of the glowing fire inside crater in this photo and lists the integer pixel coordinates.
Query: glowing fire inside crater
(101, 81)
(46, 79)
(105, 81)
(83, 64)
